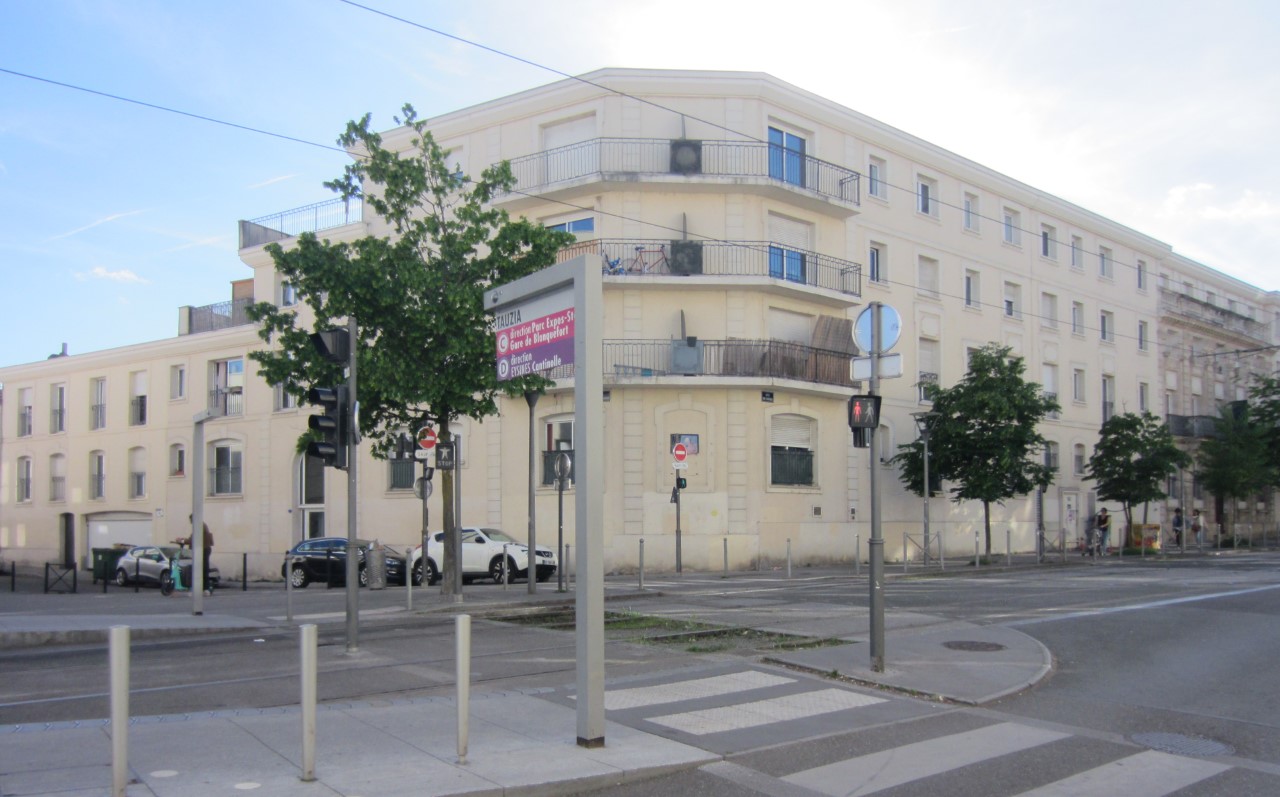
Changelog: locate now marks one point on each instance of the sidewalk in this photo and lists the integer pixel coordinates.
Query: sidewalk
(520, 743)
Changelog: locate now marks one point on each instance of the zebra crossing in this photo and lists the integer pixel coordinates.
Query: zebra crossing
(798, 735)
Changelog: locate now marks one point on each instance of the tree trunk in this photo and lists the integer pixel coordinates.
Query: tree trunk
(449, 564)
(986, 522)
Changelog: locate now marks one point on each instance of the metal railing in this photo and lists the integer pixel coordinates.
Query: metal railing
(57, 488)
(223, 401)
(1053, 414)
(25, 418)
(927, 381)
(626, 158)
(1192, 425)
(97, 416)
(57, 420)
(309, 218)
(720, 259)
(222, 315)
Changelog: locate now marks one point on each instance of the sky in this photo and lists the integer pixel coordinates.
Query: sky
(1162, 116)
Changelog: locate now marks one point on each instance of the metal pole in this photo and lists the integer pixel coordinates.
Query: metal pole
(504, 566)
(1008, 547)
(788, 557)
(463, 626)
(244, 572)
(197, 503)
(726, 558)
(641, 563)
(1062, 544)
(531, 398)
(288, 589)
(353, 559)
(857, 555)
(904, 553)
(568, 556)
(679, 563)
(560, 587)
(426, 493)
(118, 653)
(977, 562)
(307, 653)
(925, 434)
(876, 544)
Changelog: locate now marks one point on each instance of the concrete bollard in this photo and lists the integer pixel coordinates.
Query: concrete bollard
(463, 627)
(641, 586)
(118, 654)
(307, 655)
(788, 557)
(857, 555)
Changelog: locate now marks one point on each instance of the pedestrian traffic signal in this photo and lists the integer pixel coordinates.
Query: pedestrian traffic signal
(681, 482)
(331, 424)
(864, 412)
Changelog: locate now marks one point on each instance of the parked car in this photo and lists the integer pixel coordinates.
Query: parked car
(482, 550)
(322, 558)
(149, 561)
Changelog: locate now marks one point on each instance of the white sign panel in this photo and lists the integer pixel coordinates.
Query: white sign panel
(890, 367)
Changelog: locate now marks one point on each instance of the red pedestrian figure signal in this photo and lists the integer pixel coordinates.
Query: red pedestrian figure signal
(864, 412)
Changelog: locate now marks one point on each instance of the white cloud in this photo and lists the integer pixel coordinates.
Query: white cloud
(100, 273)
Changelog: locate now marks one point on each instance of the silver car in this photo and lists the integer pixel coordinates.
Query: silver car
(147, 562)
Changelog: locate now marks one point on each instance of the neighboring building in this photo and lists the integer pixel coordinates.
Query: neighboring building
(743, 231)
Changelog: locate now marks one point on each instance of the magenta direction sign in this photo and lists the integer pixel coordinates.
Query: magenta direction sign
(535, 336)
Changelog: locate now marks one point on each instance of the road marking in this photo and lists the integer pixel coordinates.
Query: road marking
(636, 697)
(877, 771)
(764, 712)
(1139, 606)
(1147, 774)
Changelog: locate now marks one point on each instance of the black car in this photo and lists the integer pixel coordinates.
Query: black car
(324, 559)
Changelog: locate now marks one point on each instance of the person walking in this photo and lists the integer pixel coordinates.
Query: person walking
(1177, 527)
(1197, 527)
(208, 550)
(1104, 530)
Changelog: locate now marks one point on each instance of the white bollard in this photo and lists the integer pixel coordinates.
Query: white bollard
(788, 557)
(118, 655)
(463, 626)
(307, 656)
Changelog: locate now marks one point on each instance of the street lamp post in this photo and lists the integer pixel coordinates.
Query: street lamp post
(924, 423)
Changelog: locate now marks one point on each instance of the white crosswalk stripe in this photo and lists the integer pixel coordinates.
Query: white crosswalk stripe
(878, 771)
(763, 712)
(640, 696)
(1147, 774)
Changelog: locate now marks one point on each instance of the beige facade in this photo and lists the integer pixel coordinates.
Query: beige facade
(744, 224)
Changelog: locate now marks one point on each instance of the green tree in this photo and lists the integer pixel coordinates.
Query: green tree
(1134, 456)
(1264, 410)
(1236, 462)
(985, 436)
(426, 352)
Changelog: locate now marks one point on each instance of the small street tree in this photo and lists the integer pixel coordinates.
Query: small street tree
(426, 351)
(1237, 462)
(1264, 410)
(1134, 456)
(985, 437)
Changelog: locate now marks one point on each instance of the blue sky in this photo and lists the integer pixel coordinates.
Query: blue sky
(1159, 115)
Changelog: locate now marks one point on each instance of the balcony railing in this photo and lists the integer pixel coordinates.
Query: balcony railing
(926, 383)
(1192, 425)
(57, 420)
(629, 158)
(290, 223)
(1053, 414)
(1185, 306)
(57, 488)
(662, 258)
(25, 416)
(222, 315)
(226, 401)
(97, 416)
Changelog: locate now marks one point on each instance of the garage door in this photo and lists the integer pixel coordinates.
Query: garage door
(130, 529)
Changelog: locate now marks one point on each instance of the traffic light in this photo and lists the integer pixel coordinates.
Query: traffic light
(681, 482)
(332, 425)
(861, 438)
(864, 412)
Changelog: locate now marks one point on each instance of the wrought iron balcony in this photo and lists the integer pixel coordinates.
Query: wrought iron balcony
(226, 401)
(632, 159)
(1192, 425)
(222, 315)
(663, 258)
(292, 223)
(1186, 306)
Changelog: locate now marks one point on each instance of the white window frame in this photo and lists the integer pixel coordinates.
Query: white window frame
(1077, 252)
(928, 274)
(877, 178)
(1106, 262)
(1049, 310)
(1048, 242)
(1143, 340)
(1106, 326)
(1077, 318)
(927, 196)
(177, 382)
(1012, 224)
(232, 482)
(973, 289)
(1079, 381)
(25, 471)
(972, 212)
(877, 263)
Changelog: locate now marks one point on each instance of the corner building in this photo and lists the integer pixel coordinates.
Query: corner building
(743, 224)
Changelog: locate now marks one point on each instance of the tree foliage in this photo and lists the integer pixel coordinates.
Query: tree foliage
(1237, 462)
(1132, 459)
(426, 349)
(985, 437)
(1264, 410)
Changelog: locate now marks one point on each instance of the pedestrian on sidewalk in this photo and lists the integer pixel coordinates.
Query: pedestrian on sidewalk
(1104, 530)
(1177, 527)
(1197, 527)
(208, 550)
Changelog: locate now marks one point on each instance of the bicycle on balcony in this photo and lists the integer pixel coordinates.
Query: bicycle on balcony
(649, 261)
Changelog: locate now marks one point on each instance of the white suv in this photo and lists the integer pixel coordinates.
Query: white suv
(482, 551)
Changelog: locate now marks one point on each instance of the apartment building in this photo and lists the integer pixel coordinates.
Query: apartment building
(742, 224)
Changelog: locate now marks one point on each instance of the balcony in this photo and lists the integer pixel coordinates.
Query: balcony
(212, 317)
(292, 223)
(226, 401)
(1189, 308)
(641, 258)
(672, 164)
(1192, 425)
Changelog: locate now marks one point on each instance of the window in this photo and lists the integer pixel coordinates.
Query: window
(927, 276)
(1142, 336)
(927, 196)
(288, 294)
(97, 475)
(57, 409)
(558, 439)
(877, 263)
(1077, 318)
(787, 264)
(177, 460)
(575, 226)
(1077, 456)
(1107, 325)
(58, 477)
(971, 212)
(1144, 393)
(1051, 455)
(972, 289)
(24, 480)
(1106, 262)
(786, 156)
(400, 474)
(1142, 275)
(1048, 242)
(1012, 227)
(791, 451)
(137, 473)
(227, 395)
(284, 400)
(25, 412)
(177, 381)
(97, 403)
(929, 365)
(1077, 252)
(1012, 300)
(1049, 386)
(1049, 310)
(138, 398)
(876, 176)
(1108, 397)
(225, 475)
(791, 240)
(1077, 384)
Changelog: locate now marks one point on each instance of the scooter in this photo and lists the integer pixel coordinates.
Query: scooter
(172, 580)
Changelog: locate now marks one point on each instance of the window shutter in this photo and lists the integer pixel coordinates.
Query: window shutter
(791, 431)
(790, 233)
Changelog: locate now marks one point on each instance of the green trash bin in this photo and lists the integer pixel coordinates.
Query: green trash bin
(105, 561)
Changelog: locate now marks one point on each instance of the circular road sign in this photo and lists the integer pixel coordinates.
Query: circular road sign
(679, 452)
(890, 329)
(427, 438)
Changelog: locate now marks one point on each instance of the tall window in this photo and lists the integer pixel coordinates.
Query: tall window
(58, 477)
(929, 365)
(1144, 397)
(927, 196)
(1048, 242)
(138, 398)
(25, 412)
(972, 288)
(1142, 336)
(927, 276)
(284, 400)
(97, 403)
(24, 480)
(400, 474)
(225, 475)
(177, 460)
(1107, 325)
(227, 395)
(558, 438)
(1012, 300)
(1077, 252)
(791, 239)
(876, 176)
(786, 156)
(1012, 227)
(137, 473)
(877, 263)
(1108, 397)
(1106, 262)
(177, 381)
(97, 475)
(1051, 455)
(1142, 275)
(1077, 384)
(1077, 318)
(288, 294)
(1077, 457)
(971, 212)
(1049, 310)
(791, 450)
(57, 409)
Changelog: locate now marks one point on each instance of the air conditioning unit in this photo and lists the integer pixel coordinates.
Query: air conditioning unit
(686, 156)
(686, 356)
(686, 257)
